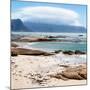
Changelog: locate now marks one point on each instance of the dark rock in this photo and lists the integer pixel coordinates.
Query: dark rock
(14, 53)
(80, 35)
(79, 52)
(57, 36)
(68, 52)
(58, 51)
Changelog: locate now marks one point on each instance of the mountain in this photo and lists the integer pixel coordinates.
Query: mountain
(40, 27)
(18, 25)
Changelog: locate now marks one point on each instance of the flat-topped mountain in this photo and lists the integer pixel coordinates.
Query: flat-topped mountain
(42, 27)
(19, 25)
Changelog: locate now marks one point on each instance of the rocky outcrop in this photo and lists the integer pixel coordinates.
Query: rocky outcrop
(68, 52)
(73, 52)
(58, 51)
(57, 36)
(79, 52)
(14, 45)
(34, 39)
(77, 73)
(23, 51)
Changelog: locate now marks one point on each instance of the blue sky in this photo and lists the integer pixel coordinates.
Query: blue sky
(58, 13)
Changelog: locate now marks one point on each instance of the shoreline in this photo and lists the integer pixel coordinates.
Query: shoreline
(25, 45)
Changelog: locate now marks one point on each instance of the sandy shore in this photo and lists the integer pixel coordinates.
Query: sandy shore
(34, 71)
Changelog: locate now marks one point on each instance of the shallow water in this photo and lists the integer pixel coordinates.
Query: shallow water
(77, 41)
(52, 46)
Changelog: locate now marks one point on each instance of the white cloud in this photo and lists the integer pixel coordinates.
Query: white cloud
(48, 14)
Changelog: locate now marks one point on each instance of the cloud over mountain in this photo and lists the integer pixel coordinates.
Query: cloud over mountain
(51, 15)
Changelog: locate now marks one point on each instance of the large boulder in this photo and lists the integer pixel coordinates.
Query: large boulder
(23, 51)
(13, 44)
(58, 51)
(79, 52)
(76, 73)
(68, 52)
(72, 75)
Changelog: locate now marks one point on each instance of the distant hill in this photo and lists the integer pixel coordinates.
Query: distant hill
(18, 25)
(40, 27)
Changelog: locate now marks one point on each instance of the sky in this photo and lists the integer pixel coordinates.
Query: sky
(53, 13)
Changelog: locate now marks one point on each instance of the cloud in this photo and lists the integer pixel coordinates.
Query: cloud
(53, 15)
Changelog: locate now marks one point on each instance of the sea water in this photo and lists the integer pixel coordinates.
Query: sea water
(52, 46)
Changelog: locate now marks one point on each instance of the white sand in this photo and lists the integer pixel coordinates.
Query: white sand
(24, 70)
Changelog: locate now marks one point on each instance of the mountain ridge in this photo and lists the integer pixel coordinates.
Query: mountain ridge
(19, 25)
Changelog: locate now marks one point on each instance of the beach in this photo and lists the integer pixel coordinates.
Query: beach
(42, 60)
(42, 71)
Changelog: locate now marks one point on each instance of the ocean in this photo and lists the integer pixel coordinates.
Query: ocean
(77, 41)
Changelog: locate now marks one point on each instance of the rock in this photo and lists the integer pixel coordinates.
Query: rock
(76, 73)
(23, 51)
(43, 39)
(58, 76)
(83, 73)
(57, 36)
(33, 39)
(71, 75)
(14, 45)
(51, 36)
(68, 52)
(58, 51)
(79, 52)
(80, 35)
(65, 66)
(14, 52)
(28, 39)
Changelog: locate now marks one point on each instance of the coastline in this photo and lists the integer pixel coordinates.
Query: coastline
(33, 67)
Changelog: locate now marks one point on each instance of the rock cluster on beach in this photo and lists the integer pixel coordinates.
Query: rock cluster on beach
(23, 51)
(68, 52)
(15, 50)
(77, 73)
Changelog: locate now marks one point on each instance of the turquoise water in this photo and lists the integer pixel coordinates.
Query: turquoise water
(52, 46)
